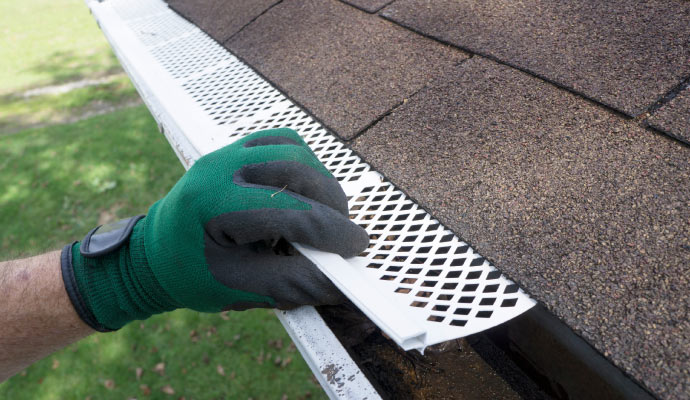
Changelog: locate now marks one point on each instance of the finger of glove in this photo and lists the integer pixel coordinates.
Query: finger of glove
(295, 177)
(291, 281)
(270, 141)
(266, 146)
(270, 136)
(321, 227)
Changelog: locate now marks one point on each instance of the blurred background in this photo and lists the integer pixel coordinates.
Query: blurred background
(77, 149)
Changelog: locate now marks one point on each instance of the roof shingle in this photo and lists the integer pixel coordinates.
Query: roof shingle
(368, 5)
(349, 68)
(626, 54)
(213, 17)
(674, 117)
(584, 208)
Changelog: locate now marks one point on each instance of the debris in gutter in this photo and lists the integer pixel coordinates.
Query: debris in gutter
(452, 369)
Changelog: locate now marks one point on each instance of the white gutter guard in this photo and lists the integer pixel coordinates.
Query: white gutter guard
(417, 281)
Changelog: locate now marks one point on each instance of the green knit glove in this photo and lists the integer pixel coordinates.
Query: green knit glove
(219, 239)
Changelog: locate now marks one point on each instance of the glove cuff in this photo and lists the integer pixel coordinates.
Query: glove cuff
(72, 289)
(113, 288)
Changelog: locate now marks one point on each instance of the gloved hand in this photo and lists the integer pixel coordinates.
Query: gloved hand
(218, 240)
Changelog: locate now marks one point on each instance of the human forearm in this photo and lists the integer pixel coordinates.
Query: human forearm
(36, 315)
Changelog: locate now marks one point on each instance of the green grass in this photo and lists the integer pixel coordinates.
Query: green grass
(191, 345)
(58, 182)
(22, 113)
(51, 42)
(47, 42)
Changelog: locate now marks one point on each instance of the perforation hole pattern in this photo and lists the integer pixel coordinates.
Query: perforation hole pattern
(427, 263)
(160, 27)
(421, 262)
(231, 93)
(136, 9)
(184, 58)
(343, 163)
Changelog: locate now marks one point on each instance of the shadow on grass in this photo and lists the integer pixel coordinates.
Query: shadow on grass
(68, 66)
(202, 356)
(23, 112)
(58, 181)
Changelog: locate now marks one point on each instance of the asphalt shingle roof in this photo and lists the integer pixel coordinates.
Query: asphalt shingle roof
(623, 53)
(368, 5)
(586, 208)
(215, 18)
(674, 117)
(346, 66)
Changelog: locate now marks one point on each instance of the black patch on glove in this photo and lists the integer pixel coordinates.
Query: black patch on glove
(242, 248)
(295, 177)
(107, 238)
(270, 140)
(291, 281)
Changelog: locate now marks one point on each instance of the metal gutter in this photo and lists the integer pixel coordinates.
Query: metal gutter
(561, 362)
(335, 370)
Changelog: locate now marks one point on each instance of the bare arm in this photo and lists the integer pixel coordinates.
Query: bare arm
(36, 315)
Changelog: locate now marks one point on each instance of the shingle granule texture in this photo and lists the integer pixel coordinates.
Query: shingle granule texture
(220, 18)
(626, 54)
(347, 67)
(674, 117)
(368, 5)
(587, 211)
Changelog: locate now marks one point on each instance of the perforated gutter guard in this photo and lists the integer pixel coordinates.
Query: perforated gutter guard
(417, 281)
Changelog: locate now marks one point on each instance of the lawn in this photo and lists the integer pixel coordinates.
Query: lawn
(22, 111)
(198, 356)
(60, 179)
(48, 42)
(55, 43)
